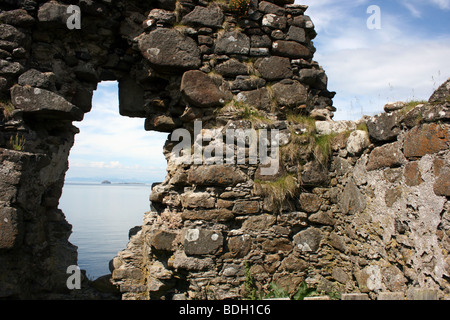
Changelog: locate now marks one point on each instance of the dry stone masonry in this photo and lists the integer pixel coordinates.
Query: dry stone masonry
(357, 209)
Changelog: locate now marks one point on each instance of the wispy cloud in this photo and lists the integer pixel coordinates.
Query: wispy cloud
(442, 4)
(403, 60)
(110, 144)
(412, 9)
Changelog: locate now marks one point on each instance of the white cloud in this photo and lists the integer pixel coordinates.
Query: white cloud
(412, 9)
(109, 144)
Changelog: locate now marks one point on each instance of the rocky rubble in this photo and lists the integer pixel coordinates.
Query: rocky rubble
(354, 207)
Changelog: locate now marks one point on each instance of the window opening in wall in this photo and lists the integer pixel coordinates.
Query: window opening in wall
(112, 165)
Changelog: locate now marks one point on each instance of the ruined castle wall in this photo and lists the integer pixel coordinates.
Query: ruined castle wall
(353, 207)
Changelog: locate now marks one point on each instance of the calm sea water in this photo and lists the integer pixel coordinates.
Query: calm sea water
(101, 216)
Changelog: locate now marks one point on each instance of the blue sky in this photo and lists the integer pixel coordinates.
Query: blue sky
(110, 146)
(407, 59)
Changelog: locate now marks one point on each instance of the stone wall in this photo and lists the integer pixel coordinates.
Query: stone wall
(354, 207)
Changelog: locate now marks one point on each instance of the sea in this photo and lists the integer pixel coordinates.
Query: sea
(101, 216)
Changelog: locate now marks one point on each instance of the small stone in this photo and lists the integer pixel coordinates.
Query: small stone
(274, 21)
(211, 16)
(357, 142)
(308, 240)
(393, 106)
(202, 241)
(162, 240)
(290, 94)
(233, 42)
(391, 296)
(354, 296)
(388, 155)
(426, 139)
(290, 49)
(232, 68)
(200, 90)
(310, 202)
(167, 49)
(441, 186)
(246, 207)
(274, 68)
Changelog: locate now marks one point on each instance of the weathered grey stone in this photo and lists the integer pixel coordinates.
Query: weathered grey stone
(10, 68)
(162, 16)
(274, 21)
(441, 186)
(274, 68)
(233, 42)
(168, 49)
(162, 240)
(10, 228)
(290, 49)
(192, 199)
(442, 94)
(215, 175)
(290, 93)
(315, 174)
(160, 123)
(423, 294)
(276, 245)
(321, 217)
(393, 278)
(384, 127)
(18, 17)
(247, 83)
(357, 142)
(296, 34)
(328, 127)
(220, 215)
(13, 35)
(210, 16)
(35, 78)
(391, 296)
(240, 246)
(202, 241)
(268, 7)
(246, 207)
(44, 103)
(200, 90)
(309, 202)
(412, 174)
(352, 200)
(260, 41)
(393, 106)
(180, 261)
(309, 240)
(258, 98)
(259, 222)
(354, 296)
(53, 12)
(232, 68)
(339, 274)
(388, 155)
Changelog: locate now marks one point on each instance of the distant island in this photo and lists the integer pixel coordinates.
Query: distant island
(134, 183)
